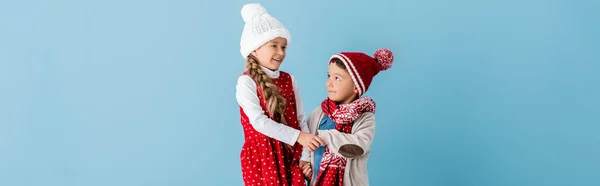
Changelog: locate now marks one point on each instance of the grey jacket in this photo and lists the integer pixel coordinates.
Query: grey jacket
(355, 147)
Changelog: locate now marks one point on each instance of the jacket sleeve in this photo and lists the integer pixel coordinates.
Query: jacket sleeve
(351, 145)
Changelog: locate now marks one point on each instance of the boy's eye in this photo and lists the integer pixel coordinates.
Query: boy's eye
(337, 78)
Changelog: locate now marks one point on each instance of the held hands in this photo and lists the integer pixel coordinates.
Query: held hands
(306, 169)
(310, 141)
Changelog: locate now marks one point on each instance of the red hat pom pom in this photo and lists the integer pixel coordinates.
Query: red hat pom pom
(385, 58)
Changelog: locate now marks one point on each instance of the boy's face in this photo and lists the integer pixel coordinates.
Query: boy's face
(339, 85)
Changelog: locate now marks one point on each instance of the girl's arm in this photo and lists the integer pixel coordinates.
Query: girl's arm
(301, 117)
(351, 145)
(248, 100)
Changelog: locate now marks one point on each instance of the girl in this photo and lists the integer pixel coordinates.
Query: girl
(271, 110)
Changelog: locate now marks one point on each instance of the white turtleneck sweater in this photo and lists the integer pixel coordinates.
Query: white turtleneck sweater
(248, 99)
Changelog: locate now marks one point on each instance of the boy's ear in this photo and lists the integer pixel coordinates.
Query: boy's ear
(355, 90)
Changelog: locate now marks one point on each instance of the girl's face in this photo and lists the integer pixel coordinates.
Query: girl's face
(340, 87)
(271, 54)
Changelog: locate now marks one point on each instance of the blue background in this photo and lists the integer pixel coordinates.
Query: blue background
(143, 92)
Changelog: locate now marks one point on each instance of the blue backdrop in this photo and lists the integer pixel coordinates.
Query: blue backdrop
(139, 92)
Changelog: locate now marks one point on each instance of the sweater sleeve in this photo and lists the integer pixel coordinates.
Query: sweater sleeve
(248, 100)
(351, 145)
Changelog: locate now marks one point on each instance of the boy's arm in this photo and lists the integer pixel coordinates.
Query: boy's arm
(351, 145)
(301, 117)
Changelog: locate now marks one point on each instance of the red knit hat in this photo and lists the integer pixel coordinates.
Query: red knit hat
(362, 67)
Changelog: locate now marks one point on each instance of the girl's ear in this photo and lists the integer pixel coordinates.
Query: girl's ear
(254, 53)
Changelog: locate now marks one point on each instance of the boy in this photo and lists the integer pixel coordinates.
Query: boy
(345, 121)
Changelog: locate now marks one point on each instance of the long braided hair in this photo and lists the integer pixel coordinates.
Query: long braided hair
(275, 101)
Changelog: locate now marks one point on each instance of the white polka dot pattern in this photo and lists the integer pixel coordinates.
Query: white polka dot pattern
(266, 161)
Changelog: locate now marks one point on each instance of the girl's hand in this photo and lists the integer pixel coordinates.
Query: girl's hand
(310, 141)
(306, 169)
(289, 147)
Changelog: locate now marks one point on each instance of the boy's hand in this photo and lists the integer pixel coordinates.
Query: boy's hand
(310, 141)
(306, 169)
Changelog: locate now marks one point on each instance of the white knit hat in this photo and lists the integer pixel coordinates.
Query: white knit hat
(259, 29)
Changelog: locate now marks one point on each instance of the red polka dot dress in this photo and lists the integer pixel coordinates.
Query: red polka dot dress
(267, 161)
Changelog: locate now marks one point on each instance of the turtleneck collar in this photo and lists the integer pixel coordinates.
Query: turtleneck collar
(270, 73)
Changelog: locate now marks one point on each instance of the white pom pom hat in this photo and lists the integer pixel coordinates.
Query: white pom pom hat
(259, 29)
